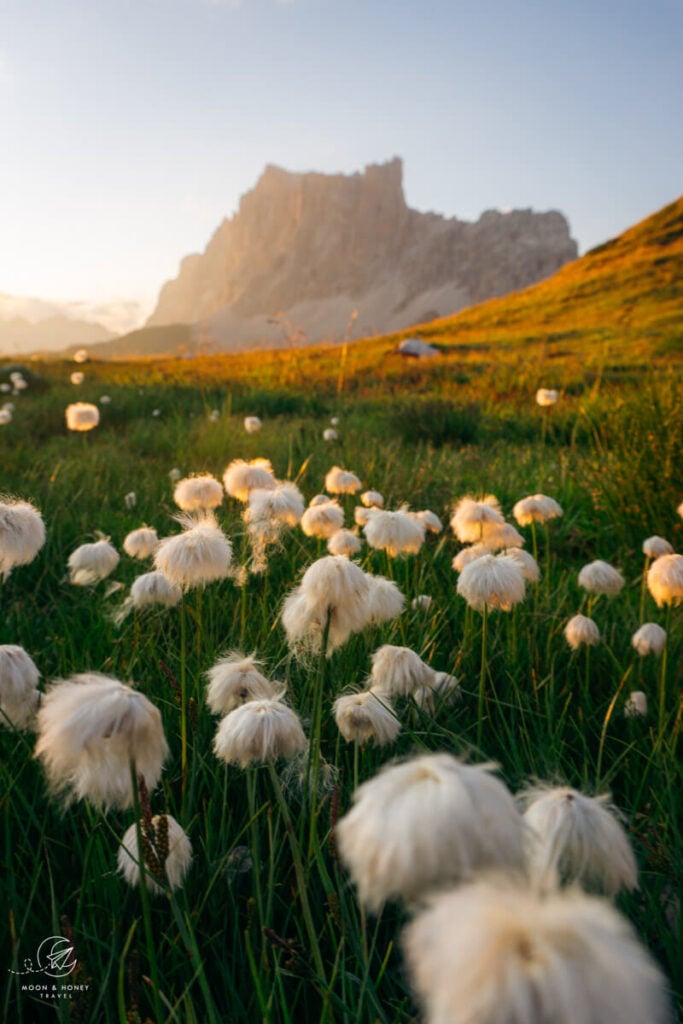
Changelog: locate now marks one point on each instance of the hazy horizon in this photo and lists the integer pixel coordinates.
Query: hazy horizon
(135, 129)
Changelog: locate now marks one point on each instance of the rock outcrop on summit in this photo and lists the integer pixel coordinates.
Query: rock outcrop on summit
(313, 257)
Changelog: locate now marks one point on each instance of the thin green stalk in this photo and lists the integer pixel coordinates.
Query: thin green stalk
(608, 716)
(313, 773)
(183, 703)
(300, 877)
(662, 671)
(643, 592)
(144, 897)
(256, 856)
(482, 679)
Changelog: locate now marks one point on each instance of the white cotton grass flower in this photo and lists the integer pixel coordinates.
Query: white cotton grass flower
(636, 705)
(334, 420)
(397, 533)
(332, 588)
(362, 717)
(174, 475)
(679, 510)
(319, 499)
(18, 687)
(344, 542)
(649, 639)
(470, 516)
(252, 424)
(665, 580)
(214, 416)
(342, 481)
(372, 499)
(495, 952)
(362, 516)
(82, 416)
(577, 838)
(199, 555)
(430, 520)
(444, 689)
(469, 554)
(427, 822)
(323, 519)
(235, 679)
(80, 355)
(384, 601)
(9, 406)
(90, 728)
(156, 413)
(199, 492)
(5, 388)
(167, 856)
(22, 533)
(600, 577)
(153, 588)
(5, 417)
(497, 536)
(105, 399)
(421, 603)
(526, 562)
(141, 543)
(283, 504)
(77, 377)
(581, 631)
(492, 583)
(398, 671)
(655, 547)
(537, 508)
(260, 730)
(546, 397)
(90, 563)
(241, 477)
(330, 434)
(130, 500)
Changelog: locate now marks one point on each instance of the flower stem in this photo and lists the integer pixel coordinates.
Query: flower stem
(662, 672)
(144, 897)
(482, 679)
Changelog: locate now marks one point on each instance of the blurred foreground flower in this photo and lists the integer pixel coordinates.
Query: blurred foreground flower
(166, 853)
(18, 687)
(82, 416)
(22, 533)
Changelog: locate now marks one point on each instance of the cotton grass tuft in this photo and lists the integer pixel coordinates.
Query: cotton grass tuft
(241, 477)
(600, 577)
(22, 533)
(199, 555)
(141, 543)
(196, 493)
(398, 671)
(323, 519)
(492, 583)
(235, 679)
(366, 716)
(665, 580)
(18, 687)
(167, 854)
(90, 563)
(342, 481)
(82, 416)
(260, 730)
(581, 631)
(537, 508)
(397, 533)
(649, 639)
(470, 518)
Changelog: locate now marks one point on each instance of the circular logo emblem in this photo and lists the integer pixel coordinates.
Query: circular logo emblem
(55, 957)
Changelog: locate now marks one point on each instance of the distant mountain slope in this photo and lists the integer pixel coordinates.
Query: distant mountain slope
(628, 290)
(19, 336)
(326, 256)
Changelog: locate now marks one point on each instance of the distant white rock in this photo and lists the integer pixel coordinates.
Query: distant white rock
(418, 348)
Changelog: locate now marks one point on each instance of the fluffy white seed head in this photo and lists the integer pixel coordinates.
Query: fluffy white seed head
(252, 424)
(431, 521)
(22, 533)
(649, 639)
(372, 499)
(241, 477)
(330, 434)
(105, 399)
(665, 580)
(141, 543)
(174, 475)
(82, 416)
(341, 481)
(234, 680)
(537, 508)
(154, 588)
(89, 729)
(366, 716)
(421, 603)
(581, 630)
(546, 396)
(80, 355)
(361, 515)
(344, 542)
(443, 690)
(427, 822)
(526, 562)
(399, 671)
(319, 499)
(470, 517)
(5, 417)
(195, 493)
(260, 730)
(636, 705)
(469, 554)
(498, 953)
(199, 555)
(492, 582)
(654, 547)
(130, 500)
(577, 838)
(90, 563)
(333, 587)
(18, 687)
(173, 867)
(283, 503)
(322, 520)
(397, 533)
(497, 536)
(77, 377)
(384, 602)
(600, 578)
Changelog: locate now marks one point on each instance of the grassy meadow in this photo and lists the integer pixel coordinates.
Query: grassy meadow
(239, 941)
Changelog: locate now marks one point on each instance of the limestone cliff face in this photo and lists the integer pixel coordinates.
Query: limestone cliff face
(311, 248)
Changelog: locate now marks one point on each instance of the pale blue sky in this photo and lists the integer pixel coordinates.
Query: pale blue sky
(131, 127)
